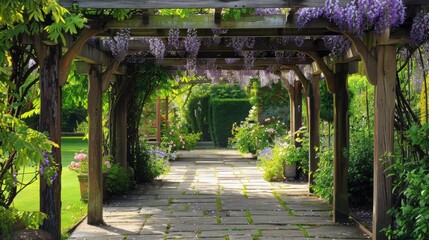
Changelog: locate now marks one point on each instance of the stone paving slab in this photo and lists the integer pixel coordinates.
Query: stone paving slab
(216, 194)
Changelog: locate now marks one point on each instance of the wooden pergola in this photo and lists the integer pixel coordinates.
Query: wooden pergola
(102, 69)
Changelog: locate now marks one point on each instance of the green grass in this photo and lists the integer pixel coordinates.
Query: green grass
(72, 209)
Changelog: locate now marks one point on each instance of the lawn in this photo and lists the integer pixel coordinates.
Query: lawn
(72, 208)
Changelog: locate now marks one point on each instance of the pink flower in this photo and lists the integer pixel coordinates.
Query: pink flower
(107, 163)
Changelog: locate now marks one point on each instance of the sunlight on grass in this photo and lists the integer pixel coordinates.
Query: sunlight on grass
(73, 210)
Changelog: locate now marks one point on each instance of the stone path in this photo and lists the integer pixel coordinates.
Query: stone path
(216, 194)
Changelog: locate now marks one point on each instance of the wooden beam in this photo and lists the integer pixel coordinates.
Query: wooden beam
(95, 109)
(132, 4)
(366, 56)
(341, 144)
(264, 44)
(220, 62)
(329, 74)
(383, 138)
(207, 21)
(73, 50)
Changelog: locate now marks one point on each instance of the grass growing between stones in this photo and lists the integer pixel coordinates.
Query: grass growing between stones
(303, 230)
(256, 236)
(218, 204)
(249, 217)
(218, 220)
(245, 191)
(170, 201)
(283, 203)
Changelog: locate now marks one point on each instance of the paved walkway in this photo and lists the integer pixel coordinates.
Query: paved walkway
(216, 194)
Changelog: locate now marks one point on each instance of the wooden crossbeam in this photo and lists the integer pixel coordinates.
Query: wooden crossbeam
(151, 4)
(195, 4)
(308, 45)
(207, 21)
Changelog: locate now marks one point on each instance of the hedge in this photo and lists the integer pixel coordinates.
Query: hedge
(224, 112)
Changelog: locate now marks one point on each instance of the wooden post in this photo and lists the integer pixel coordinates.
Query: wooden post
(383, 137)
(313, 100)
(50, 121)
(95, 197)
(295, 95)
(341, 144)
(120, 115)
(158, 121)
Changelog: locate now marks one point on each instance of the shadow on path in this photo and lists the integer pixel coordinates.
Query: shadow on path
(217, 194)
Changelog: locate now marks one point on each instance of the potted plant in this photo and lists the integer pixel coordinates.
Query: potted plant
(80, 166)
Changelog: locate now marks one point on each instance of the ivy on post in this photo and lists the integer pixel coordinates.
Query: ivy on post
(95, 199)
(50, 122)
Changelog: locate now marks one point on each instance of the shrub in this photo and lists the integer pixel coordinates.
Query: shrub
(224, 113)
(250, 136)
(283, 152)
(118, 180)
(324, 175)
(152, 162)
(175, 139)
(411, 181)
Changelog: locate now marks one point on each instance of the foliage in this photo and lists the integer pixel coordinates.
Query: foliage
(251, 136)
(21, 146)
(10, 216)
(410, 181)
(284, 152)
(273, 167)
(424, 103)
(118, 180)
(197, 108)
(226, 91)
(326, 104)
(271, 101)
(324, 176)
(175, 139)
(360, 180)
(152, 162)
(224, 112)
(148, 82)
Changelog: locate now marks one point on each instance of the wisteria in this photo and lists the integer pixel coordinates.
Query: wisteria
(173, 38)
(157, 48)
(119, 44)
(301, 56)
(237, 43)
(214, 75)
(231, 60)
(358, 16)
(191, 42)
(249, 59)
(420, 28)
(338, 45)
(217, 32)
(267, 11)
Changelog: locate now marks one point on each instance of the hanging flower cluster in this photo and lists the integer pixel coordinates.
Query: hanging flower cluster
(420, 28)
(157, 48)
(358, 16)
(119, 44)
(338, 45)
